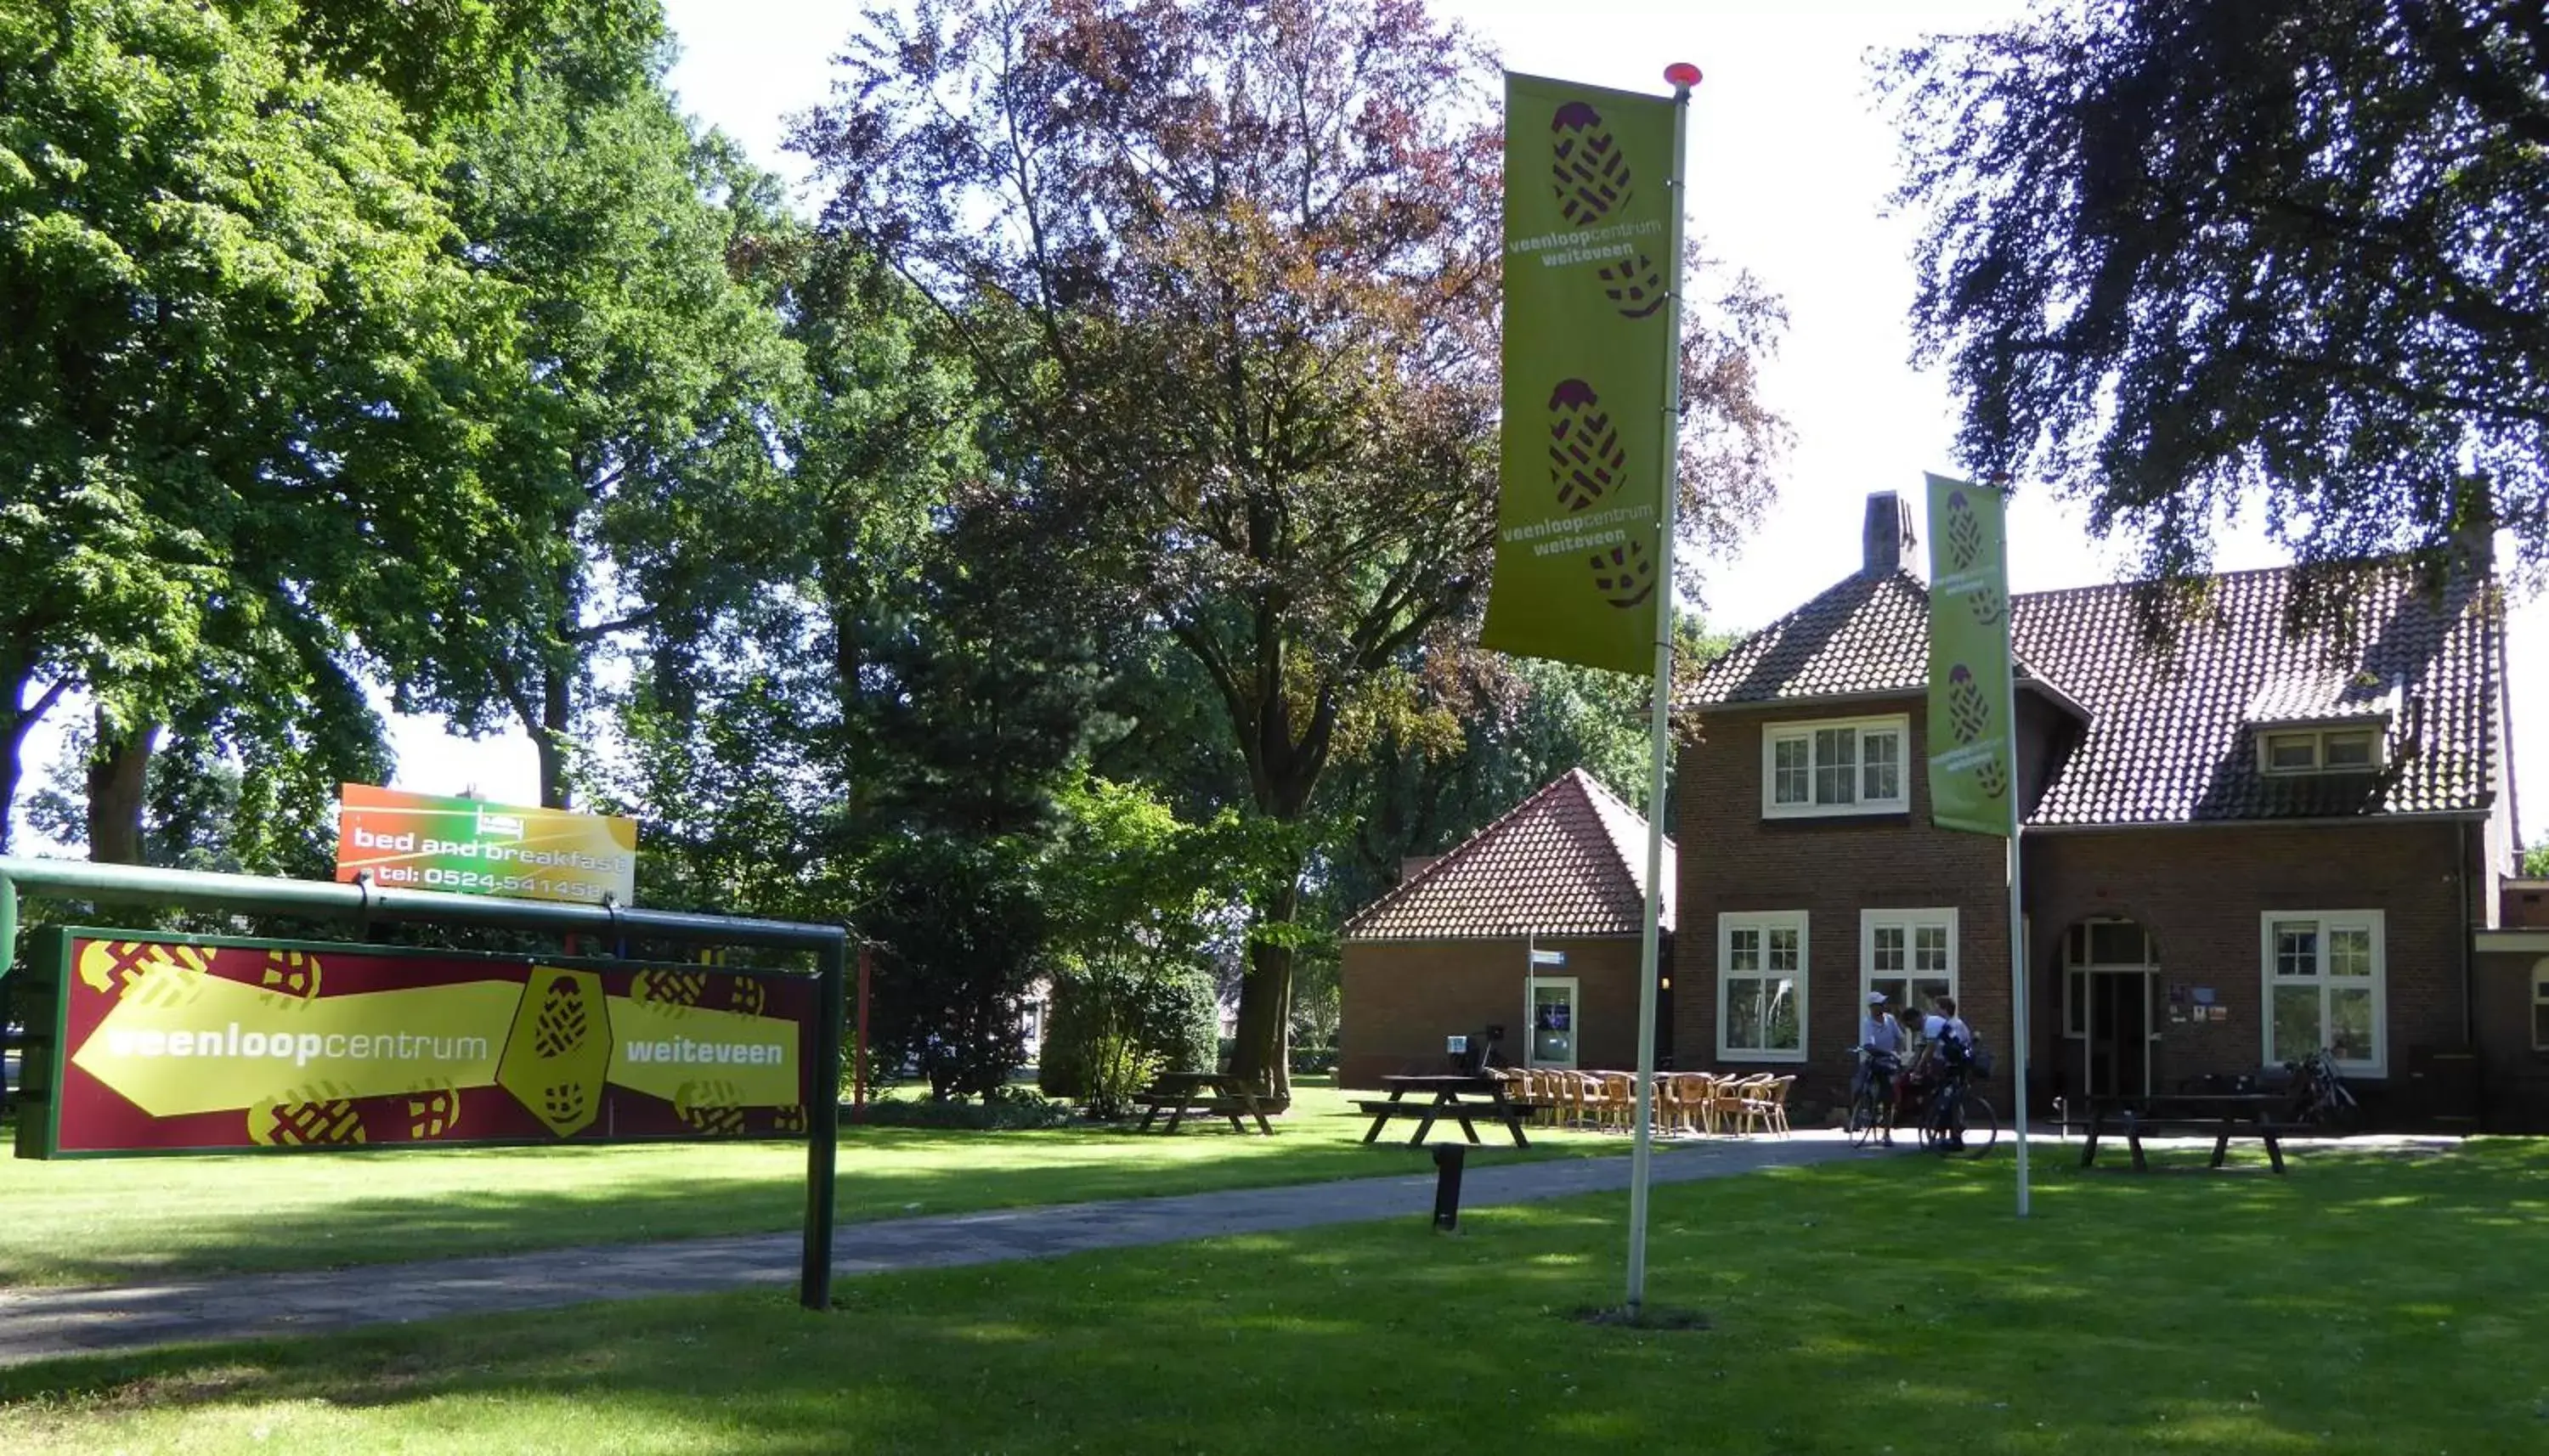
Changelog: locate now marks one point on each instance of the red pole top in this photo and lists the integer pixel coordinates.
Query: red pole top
(1682, 74)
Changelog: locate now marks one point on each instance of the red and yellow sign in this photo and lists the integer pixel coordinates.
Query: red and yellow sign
(166, 1043)
(426, 842)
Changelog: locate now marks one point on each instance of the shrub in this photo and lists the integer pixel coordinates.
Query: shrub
(1002, 1109)
(1117, 1022)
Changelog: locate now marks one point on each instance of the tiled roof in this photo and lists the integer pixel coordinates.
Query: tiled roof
(2323, 696)
(2167, 738)
(1570, 860)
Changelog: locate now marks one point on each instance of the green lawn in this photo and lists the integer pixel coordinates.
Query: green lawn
(109, 1222)
(2360, 1306)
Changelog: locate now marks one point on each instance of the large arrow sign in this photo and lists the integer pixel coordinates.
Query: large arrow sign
(184, 1044)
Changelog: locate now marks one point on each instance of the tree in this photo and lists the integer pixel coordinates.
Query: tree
(237, 362)
(637, 459)
(1231, 269)
(2179, 251)
(2535, 862)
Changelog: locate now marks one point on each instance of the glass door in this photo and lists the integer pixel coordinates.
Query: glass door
(1553, 1022)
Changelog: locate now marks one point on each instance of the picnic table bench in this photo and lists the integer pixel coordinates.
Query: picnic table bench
(2218, 1116)
(1441, 1099)
(1213, 1094)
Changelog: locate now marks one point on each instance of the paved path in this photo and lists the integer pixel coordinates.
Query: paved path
(38, 1324)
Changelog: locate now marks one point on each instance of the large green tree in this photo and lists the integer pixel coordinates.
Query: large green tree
(637, 455)
(238, 361)
(2179, 252)
(1232, 269)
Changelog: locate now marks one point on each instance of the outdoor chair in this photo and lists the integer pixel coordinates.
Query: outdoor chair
(1691, 1091)
(1617, 1101)
(1730, 1104)
(1768, 1104)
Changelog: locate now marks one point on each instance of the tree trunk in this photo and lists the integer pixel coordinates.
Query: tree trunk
(549, 737)
(118, 768)
(1261, 1050)
(16, 722)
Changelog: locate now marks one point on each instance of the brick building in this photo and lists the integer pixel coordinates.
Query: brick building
(1530, 926)
(2241, 842)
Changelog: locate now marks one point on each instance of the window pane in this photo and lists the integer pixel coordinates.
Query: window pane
(2297, 1028)
(2350, 1008)
(1792, 776)
(2540, 1026)
(1927, 991)
(2349, 751)
(1782, 1032)
(1895, 989)
(2291, 751)
(1783, 947)
(1836, 765)
(1743, 949)
(1880, 766)
(1929, 949)
(2349, 949)
(1743, 1014)
(2076, 1007)
(1886, 955)
(2296, 947)
(2115, 943)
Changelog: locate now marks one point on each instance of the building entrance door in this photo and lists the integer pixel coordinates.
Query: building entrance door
(2119, 1033)
(1553, 1022)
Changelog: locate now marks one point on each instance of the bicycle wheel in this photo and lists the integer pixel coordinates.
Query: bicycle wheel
(1864, 1113)
(1981, 1126)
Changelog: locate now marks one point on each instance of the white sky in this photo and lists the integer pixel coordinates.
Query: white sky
(1790, 167)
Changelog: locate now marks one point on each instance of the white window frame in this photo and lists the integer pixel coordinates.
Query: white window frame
(2318, 738)
(1774, 734)
(1910, 921)
(1764, 921)
(2539, 999)
(2377, 1065)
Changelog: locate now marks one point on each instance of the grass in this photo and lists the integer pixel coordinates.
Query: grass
(2361, 1305)
(123, 1220)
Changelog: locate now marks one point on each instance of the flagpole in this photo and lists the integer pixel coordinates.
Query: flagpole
(2017, 985)
(1683, 75)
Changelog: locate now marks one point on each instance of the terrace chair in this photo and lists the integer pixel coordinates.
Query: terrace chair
(1618, 1102)
(1768, 1104)
(1732, 1106)
(1692, 1091)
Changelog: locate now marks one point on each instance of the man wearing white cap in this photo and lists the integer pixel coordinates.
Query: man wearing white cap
(1878, 1031)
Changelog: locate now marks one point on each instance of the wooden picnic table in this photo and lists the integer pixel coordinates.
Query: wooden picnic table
(1441, 1099)
(1214, 1094)
(2219, 1115)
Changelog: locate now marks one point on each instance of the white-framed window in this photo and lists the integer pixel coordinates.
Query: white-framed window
(2540, 1005)
(1762, 986)
(2320, 750)
(1853, 765)
(2326, 979)
(1911, 956)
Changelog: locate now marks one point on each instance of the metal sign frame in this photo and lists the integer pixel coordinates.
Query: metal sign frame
(361, 906)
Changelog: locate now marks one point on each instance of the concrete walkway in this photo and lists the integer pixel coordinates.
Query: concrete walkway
(36, 1325)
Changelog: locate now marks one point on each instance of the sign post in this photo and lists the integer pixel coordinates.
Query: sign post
(363, 906)
(1973, 713)
(1592, 420)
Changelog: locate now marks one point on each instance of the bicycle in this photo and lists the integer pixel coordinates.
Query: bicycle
(1872, 1108)
(2319, 1095)
(1958, 1121)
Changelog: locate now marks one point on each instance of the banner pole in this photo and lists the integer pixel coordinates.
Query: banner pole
(1683, 76)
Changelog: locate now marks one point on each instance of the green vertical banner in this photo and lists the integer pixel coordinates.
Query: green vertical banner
(1973, 768)
(1588, 355)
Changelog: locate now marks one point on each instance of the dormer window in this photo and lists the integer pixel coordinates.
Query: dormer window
(2320, 751)
(2324, 723)
(1835, 766)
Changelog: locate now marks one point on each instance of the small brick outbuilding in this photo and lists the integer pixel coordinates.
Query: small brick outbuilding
(1532, 926)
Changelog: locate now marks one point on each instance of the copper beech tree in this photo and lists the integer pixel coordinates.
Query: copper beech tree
(1233, 268)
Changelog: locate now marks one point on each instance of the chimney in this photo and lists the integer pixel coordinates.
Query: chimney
(1882, 538)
